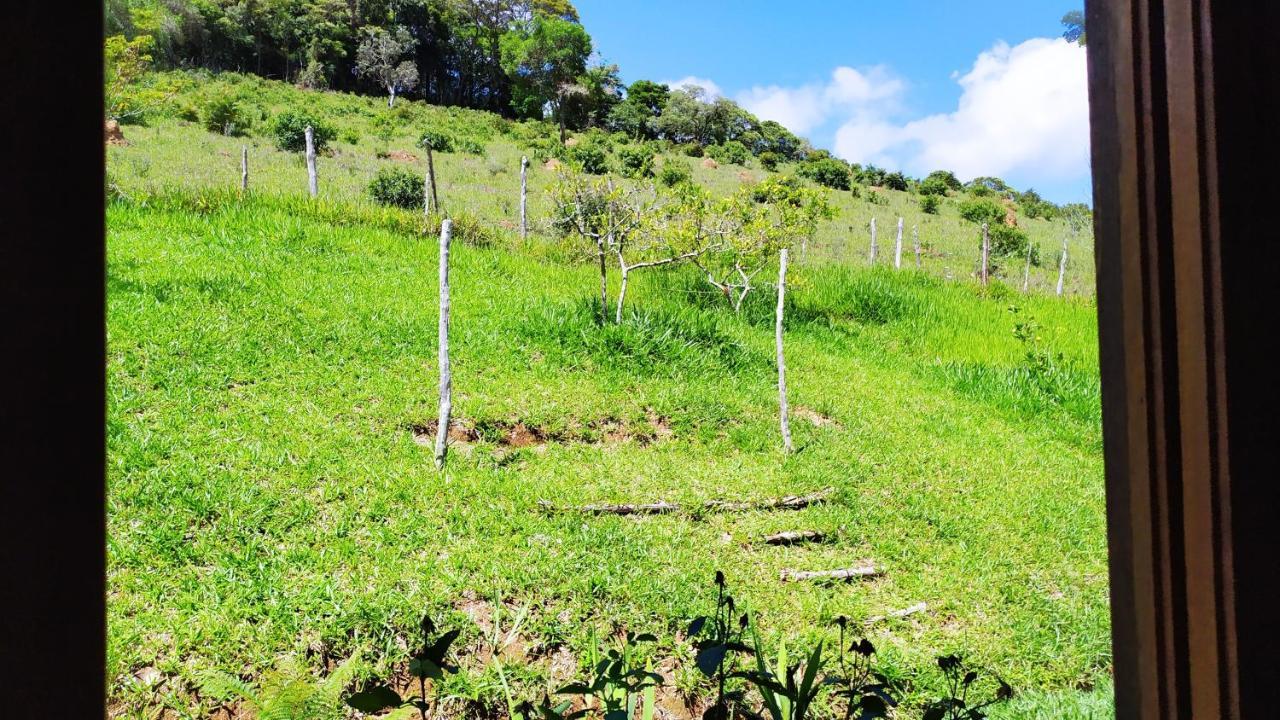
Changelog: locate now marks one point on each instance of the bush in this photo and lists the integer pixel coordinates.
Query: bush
(826, 171)
(222, 113)
(930, 203)
(396, 187)
(933, 186)
(636, 160)
(590, 157)
(289, 130)
(769, 160)
(438, 141)
(470, 146)
(350, 137)
(981, 211)
(877, 198)
(674, 172)
(1011, 242)
(896, 181)
(730, 152)
(691, 149)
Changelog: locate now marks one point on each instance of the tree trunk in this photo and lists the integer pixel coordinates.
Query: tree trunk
(986, 252)
(897, 248)
(1062, 266)
(244, 168)
(312, 182)
(915, 239)
(431, 179)
(446, 378)
(524, 198)
(604, 282)
(391, 97)
(426, 193)
(783, 422)
(622, 293)
(873, 241)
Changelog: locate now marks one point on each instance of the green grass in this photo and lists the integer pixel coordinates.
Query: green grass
(269, 357)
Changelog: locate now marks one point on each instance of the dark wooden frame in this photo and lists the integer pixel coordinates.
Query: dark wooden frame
(1183, 108)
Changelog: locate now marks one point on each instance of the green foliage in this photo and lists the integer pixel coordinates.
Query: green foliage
(224, 113)
(542, 60)
(637, 160)
(693, 150)
(870, 175)
(930, 203)
(289, 131)
(933, 186)
(1009, 241)
(396, 187)
(896, 181)
(430, 662)
(947, 178)
(825, 171)
(288, 691)
(769, 160)
(729, 152)
(674, 172)
(981, 211)
(590, 157)
(470, 146)
(437, 140)
(1073, 29)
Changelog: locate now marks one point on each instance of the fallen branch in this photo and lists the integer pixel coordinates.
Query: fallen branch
(917, 608)
(792, 537)
(845, 574)
(788, 502)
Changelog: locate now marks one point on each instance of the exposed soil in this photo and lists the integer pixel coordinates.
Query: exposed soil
(519, 435)
(813, 417)
(551, 164)
(402, 156)
(710, 164)
(114, 135)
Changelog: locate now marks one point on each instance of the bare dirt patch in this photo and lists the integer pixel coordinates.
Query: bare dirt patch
(512, 435)
(114, 135)
(813, 417)
(710, 164)
(402, 156)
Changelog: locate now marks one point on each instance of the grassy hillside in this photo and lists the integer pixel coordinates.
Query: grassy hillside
(272, 364)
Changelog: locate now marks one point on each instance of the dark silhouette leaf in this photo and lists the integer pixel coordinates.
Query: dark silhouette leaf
(423, 667)
(695, 627)
(709, 659)
(438, 649)
(375, 699)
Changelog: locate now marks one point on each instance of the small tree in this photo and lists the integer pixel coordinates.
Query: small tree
(380, 58)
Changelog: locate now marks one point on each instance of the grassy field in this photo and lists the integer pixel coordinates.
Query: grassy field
(271, 360)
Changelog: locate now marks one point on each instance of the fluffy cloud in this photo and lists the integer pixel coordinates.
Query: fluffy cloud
(806, 107)
(1024, 110)
(711, 89)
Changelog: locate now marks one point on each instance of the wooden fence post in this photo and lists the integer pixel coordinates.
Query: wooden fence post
(1062, 266)
(784, 422)
(431, 179)
(312, 183)
(897, 248)
(986, 251)
(1026, 273)
(244, 168)
(915, 239)
(524, 198)
(873, 241)
(446, 379)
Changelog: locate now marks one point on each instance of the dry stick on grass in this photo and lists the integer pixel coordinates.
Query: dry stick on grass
(986, 252)
(874, 248)
(845, 574)
(794, 537)
(783, 421)
(313, 185)
(897, 248)
(917, 608)
(244, 168)
(524, 198)
(446, 379)
(788, 502)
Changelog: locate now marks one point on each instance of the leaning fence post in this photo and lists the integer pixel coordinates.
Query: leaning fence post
(915, 239)
(784, 423)
(244, 168)
(873, 241)
(431, 179)
(1062, 266)
(986, 250)
(446, 379)
(897, 248)
(1026, 272)
(524, 197)
(312, 185)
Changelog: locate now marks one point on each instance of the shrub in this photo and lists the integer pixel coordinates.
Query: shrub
(396, 187)
(636, 160)
(289, 130)
(590, 157)
(946, 177)
(930, 203)
(980, 211)
(224, 114)
(691, 149)
(470, 146)
(438, 141)
(877, 198)
(826, 171)
(769, 160)
(933, 186)
(896, 181)
(730, 152)
(350, 137)
(674, 172)
(1011, 242)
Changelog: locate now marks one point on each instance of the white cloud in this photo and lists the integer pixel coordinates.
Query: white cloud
(804, 108)
(1023, 111)
(708, 86)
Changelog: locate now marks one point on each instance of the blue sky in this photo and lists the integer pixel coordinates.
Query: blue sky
(977, 87)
